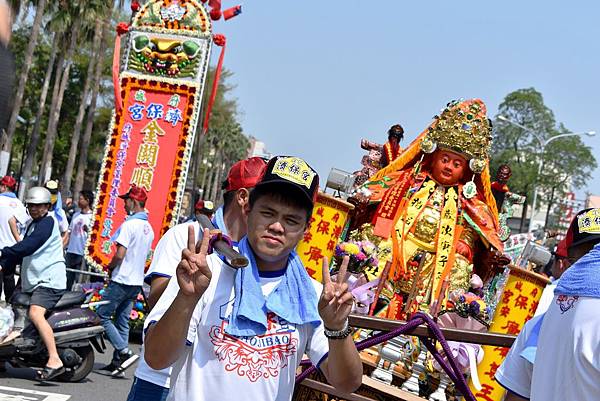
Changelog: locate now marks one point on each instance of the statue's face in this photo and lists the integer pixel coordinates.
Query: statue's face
(504, 173)
(448, 168)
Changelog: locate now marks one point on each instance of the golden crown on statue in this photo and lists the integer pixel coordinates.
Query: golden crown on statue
(462, 127)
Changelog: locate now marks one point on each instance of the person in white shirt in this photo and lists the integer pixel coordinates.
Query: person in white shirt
(13, 216)
(126, 269)
(153, 385)
(77, 236)
(232, 333)
(566, 331)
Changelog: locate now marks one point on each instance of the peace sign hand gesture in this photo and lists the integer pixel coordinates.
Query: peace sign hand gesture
(193, 273)
(336, 301)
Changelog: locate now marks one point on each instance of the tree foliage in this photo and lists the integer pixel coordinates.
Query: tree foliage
(566, 162)
(224, 143)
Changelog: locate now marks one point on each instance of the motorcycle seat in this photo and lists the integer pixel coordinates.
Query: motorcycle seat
(70, 298)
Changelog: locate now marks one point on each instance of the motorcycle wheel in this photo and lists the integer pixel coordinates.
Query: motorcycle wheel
(80, 371)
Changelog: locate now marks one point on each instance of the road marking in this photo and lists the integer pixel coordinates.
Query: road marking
(20, 394)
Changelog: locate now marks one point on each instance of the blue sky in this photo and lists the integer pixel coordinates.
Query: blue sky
(314, 77)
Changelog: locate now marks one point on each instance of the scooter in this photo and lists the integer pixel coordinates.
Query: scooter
(77, 332)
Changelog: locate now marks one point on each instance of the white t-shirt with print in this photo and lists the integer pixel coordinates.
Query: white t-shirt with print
(136, 235)
(79, 228)
(567, 364)
(164, 262)
(218, 366)
(515, 372)
(11, 207)
(63, 222)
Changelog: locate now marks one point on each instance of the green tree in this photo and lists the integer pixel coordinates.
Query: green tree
(6, 141)
(565, 162)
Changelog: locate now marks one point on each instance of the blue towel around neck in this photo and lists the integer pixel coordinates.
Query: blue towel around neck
(138, 215)
(583, 278)
(294, 299)
(9, 194)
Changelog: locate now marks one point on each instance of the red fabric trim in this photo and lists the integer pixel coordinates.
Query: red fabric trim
(115, 73)
(219, 40)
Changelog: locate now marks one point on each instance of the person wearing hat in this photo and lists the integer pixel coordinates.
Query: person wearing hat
(43, 274)
(150, 384)
(57, 211)
(231, 332)
(126, 271)
(206, 208)
(567, 331)
(391, 149)
(13, 216)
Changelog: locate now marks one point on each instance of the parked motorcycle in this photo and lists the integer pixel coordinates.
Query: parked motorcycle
(77, 332)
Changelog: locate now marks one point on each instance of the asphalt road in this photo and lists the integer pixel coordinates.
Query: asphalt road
(18, 384)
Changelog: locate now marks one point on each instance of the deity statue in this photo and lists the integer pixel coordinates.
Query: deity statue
(434, 209)
(392, 149)
(505, 200)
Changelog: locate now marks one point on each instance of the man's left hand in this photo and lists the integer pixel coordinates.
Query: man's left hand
(336, 301)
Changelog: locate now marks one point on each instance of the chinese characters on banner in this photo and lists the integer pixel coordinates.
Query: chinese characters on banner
(517, 305)
(147, 148)
(327, 225)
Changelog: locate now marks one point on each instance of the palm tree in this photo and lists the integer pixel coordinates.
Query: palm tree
(35, 134)
(69, 19)
(7, 140)
(95, 10)
(87, 134)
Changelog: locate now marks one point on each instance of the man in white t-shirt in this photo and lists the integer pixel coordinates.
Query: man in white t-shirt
(153, 385)
(126, 269)
(78, 233)
(232, 333)
(13, 216)
(566, 333)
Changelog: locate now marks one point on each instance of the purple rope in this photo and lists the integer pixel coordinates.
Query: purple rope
(370, 342)
(448, 365)
(218, 237)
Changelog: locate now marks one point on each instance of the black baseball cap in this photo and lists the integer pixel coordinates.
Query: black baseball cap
(586, 227)
(294, 172)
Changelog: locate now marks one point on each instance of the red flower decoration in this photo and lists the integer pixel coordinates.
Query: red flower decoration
(135, 6)
(219, 39)
(122, 27)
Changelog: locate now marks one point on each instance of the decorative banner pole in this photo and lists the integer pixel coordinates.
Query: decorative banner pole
(328, 224)
(517, 305)
(157, 106)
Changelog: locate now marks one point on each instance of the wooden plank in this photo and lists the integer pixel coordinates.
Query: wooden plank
(467, 336)
(329, 389)
(391, 392)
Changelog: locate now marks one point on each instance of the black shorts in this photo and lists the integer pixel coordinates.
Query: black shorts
(45, 297)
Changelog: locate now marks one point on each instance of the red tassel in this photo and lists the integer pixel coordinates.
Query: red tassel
(220, 41)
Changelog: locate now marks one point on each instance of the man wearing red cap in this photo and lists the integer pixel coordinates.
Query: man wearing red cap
(126, 270)
(12, 216)
(206, 208)
(150, 384)
(525, 372)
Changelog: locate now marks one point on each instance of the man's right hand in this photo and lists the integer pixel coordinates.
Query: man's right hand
(193, 273)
